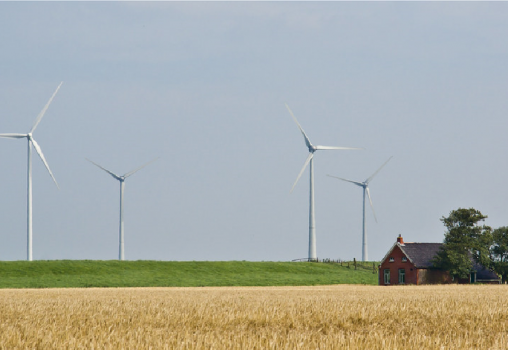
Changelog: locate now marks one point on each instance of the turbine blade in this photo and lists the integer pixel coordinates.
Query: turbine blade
(353, 182)
(333, 147)
(377, 171)
(371, 206)
(41, 114)
(106, 170)
(39, 152)
(309, 157)
(307, 140)
(13, 136)
(138, 169)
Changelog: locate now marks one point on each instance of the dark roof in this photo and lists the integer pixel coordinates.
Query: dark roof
(482, 273)
(421, 254)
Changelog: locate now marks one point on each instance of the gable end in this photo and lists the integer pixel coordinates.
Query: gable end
(397, 244)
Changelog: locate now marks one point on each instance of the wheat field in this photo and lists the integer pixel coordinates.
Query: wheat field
(324, 317)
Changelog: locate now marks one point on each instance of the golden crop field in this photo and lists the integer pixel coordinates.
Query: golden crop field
(324, 317)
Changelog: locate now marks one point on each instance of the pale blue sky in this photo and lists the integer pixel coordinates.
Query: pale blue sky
(202, 85)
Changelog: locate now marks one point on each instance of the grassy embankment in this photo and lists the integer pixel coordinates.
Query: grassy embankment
(88, 273)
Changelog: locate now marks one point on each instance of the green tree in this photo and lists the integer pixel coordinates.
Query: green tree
(499, 252)
(465, 242)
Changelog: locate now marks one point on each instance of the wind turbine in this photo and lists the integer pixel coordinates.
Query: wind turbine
(122, 178)
(31, 141)
(365, 186)
(312, 149)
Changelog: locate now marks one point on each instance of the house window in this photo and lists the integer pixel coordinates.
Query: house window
(402, 276)
(404, 259)
(387, 276)
(392, 259)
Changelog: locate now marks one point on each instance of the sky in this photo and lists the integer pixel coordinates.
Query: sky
(203, 86)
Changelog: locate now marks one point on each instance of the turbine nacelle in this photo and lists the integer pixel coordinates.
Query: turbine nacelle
(312, 148)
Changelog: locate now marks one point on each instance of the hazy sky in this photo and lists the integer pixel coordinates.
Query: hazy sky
(202, 85)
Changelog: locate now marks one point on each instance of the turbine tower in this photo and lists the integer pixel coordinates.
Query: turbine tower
(121, 253)
(309, 160)
(365, 186)
(31, 141)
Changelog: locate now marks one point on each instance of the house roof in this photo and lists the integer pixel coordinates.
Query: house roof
(420, 254)
(483, 273)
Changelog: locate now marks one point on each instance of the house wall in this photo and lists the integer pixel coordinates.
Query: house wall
(432, 276)
(397, 255)
(489, 281)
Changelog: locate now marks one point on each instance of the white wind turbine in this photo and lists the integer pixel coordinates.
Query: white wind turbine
(31, 141)
(365, 186)
(121, 253)
(312, 149)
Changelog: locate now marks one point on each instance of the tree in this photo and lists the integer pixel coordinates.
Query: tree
(499, 252)
(465, 242)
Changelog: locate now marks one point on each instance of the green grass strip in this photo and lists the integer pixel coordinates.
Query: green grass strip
(145, 273)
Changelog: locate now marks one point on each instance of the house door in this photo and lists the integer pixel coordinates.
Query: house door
(386, 275)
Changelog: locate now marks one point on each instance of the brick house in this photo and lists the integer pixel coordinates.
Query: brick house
(411, 263)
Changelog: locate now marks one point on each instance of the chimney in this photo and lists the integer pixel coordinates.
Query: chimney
(400, 240)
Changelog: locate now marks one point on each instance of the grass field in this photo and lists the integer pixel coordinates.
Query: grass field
(324, 317)
(77, 274)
